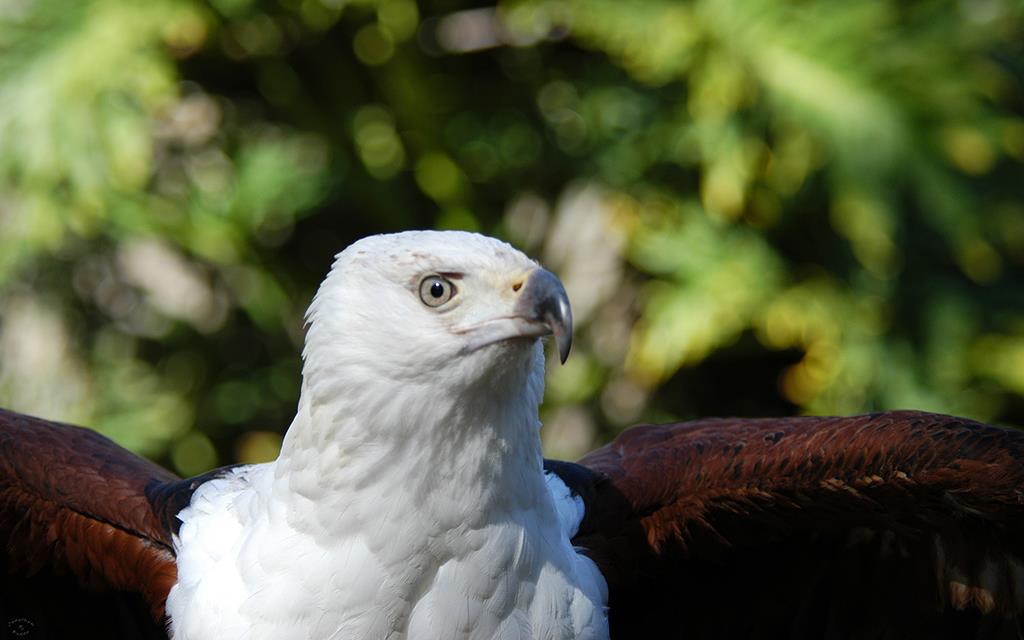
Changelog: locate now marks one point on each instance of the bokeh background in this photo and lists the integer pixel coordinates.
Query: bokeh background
(759, 207)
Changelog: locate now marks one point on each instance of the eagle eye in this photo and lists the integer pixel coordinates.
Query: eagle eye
(435, 291)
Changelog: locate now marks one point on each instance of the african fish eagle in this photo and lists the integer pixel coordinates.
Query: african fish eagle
(411, 500)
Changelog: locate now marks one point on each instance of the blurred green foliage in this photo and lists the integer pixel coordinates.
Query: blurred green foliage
(758, 206)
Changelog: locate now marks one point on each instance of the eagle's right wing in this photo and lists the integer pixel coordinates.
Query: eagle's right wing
(85, 534)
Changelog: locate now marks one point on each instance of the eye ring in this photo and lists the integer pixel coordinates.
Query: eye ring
(436, 290)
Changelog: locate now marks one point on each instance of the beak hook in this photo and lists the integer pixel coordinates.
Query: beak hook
(544, 300)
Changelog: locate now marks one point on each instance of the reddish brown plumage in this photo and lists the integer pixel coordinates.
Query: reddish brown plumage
(74, 503)
(891, 525)
(688, 521)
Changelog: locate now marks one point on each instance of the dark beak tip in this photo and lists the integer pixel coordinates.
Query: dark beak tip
(562, 327)
(564, 343)
(544, 299)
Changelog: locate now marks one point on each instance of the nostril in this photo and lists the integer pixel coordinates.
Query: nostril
(517, 286)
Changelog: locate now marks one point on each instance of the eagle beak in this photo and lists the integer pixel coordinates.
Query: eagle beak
(543, 300)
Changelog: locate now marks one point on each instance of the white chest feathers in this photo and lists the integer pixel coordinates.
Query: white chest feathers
(245, 572)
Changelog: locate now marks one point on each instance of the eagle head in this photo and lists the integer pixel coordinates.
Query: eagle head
(440, 309)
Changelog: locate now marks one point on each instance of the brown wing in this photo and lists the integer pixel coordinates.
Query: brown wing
(85, 534)
(891, 525)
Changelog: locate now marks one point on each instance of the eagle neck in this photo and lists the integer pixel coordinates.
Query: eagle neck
(449, 456)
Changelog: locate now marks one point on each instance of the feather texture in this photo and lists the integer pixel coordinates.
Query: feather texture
(85, 548)
(409, 498)
(902, 525)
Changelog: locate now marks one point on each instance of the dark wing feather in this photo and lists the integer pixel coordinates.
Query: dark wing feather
(891, 525)
(85, 534)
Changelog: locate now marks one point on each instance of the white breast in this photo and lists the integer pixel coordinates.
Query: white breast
(245, 572)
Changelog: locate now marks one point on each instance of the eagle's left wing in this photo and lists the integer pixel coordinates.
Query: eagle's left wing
(892, 525)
